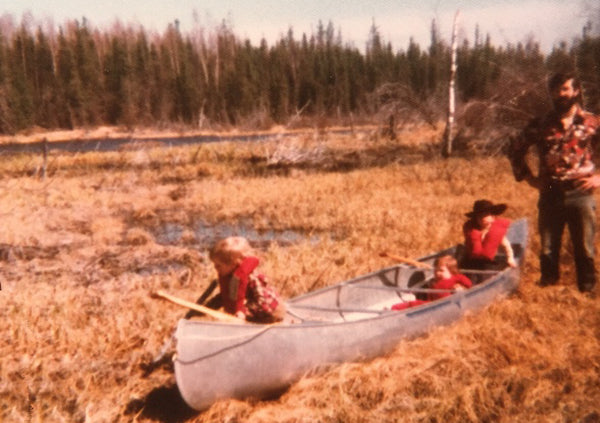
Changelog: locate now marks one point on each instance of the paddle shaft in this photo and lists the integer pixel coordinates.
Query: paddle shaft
(406, 260)
(202, 309)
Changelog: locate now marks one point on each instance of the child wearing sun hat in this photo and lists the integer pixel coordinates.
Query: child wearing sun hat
(485, 234)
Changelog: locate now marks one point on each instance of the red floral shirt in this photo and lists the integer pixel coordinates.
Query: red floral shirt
(564, 154)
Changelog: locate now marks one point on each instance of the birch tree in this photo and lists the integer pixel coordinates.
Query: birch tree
(447, 151)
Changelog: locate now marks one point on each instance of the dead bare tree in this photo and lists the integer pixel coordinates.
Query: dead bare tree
(395, 100)
(448, 132)
(486, 126)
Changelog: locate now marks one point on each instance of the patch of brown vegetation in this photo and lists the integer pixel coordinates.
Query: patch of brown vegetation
(78, 259)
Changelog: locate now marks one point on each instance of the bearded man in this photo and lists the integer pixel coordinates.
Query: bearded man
(565, 139)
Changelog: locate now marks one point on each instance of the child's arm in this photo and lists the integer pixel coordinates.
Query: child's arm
(510, 256)
(215, 302)
(479, 246)
(464, 280)
(473, 242)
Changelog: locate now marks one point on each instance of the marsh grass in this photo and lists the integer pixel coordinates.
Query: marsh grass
(79, 260)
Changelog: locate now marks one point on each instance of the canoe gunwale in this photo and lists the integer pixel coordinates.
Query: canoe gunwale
(340, 309)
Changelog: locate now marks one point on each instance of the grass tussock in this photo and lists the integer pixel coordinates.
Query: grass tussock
(80, 253)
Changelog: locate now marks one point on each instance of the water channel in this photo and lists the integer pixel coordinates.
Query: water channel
(114, 144)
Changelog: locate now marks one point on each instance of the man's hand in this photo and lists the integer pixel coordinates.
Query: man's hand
(589, 182)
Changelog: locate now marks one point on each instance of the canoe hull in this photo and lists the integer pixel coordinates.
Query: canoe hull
(216, 361)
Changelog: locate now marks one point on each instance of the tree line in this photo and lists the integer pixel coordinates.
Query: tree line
(77, 76)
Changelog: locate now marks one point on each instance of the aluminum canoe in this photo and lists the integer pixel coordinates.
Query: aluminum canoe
(350, 321)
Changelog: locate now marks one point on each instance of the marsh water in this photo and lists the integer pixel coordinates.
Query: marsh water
(114, 144)
(206, 234)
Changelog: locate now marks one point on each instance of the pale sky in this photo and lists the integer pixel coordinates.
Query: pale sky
(507, 21)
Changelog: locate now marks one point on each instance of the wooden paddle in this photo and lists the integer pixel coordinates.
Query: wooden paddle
(203, 309)
(406, 260)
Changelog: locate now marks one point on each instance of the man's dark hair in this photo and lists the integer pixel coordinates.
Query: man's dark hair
(560, 78)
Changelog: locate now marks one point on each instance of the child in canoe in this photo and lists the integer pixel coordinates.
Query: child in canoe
(244, 292)
(485, 233)
(445, 277)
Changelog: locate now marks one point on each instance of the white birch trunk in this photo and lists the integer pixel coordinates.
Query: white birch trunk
(448, 132)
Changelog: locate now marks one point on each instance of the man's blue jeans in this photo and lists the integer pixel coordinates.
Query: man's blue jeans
(577, 210)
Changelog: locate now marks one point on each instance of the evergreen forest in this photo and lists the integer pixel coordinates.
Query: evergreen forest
(76, 75)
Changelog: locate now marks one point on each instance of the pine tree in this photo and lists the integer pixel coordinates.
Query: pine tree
(45, 83)
(560, 58)
(588, 65)
(142, 80)
(88, 71)
(69, 86)
(22, 77)
(417, 68)
(116, 73)
(6, 116)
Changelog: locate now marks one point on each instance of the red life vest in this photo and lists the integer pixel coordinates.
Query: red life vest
(486, 248)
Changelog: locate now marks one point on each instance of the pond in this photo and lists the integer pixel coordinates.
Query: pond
(115, 144)
(206, 234)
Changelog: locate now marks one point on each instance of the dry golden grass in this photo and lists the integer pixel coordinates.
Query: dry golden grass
(79, 257)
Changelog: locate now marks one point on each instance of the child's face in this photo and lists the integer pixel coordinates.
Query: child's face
(224, 268)
(486, 220)
(442, 272)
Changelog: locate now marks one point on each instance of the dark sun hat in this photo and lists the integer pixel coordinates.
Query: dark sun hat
(485, 207)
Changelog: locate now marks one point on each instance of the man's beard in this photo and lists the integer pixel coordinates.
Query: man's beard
(564, 104)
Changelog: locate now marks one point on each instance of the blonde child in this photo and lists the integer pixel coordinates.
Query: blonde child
(447, 276)
(244, 292)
